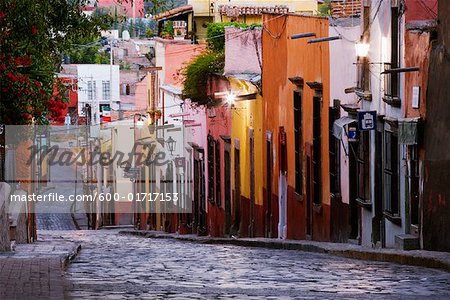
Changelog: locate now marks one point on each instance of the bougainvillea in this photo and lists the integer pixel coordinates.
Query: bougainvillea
(33, 36)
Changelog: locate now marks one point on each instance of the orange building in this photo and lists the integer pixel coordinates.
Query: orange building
(296, 88)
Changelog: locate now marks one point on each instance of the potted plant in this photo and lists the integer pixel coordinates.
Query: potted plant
(179, 35)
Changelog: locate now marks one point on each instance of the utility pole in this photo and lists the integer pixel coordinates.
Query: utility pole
(111, 63)
(133, 7)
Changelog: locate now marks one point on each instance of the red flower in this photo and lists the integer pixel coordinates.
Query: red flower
(17, 61)
(33, 30)
(2, 15)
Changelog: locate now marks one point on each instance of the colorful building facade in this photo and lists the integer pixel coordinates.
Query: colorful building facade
(296, 107)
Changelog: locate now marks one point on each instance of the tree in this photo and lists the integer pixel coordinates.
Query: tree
(155, 7)
(33, 36)
(88, 50)
(325, 8)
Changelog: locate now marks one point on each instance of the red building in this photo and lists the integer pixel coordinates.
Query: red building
(59, 109)
(218, 128)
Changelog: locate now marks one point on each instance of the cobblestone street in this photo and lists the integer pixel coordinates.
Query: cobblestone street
(120, 266)
(61, 215)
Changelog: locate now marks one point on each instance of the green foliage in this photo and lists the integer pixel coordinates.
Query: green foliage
(325, 8)
(149, 33)
(212, 61)
(88, 51)
(216, 34)
(169, 28)
(196, 75)
(158, 6)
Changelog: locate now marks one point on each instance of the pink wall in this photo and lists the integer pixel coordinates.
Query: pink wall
(126, 5)
(176, 57)
(421, 10)
(241, 51)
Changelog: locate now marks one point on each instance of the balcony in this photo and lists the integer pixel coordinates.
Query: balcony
(391, 86)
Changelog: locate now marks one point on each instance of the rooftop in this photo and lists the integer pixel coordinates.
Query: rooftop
(173, 12)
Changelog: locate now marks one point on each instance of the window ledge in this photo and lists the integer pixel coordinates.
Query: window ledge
(366, 95)
(367, 204)
(336, 196)
(298, 197)
(392, 101)
(317, 208)
(394, 218)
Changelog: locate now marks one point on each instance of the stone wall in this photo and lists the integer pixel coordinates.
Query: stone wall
(5, 244)
(18, 216)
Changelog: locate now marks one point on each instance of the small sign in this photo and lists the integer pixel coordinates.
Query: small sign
(367, 120)
(180, 162)
(352, 134)
(415, 96)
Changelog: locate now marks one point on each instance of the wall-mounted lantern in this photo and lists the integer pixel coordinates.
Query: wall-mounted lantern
(171, 144)
(362, 49)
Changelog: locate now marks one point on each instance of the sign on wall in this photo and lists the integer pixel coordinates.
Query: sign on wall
(367, 120)
(415, 96)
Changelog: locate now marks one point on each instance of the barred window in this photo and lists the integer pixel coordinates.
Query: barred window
(106, 90)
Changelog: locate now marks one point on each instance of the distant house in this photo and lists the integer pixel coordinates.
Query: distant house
(195, 16)
(131, 11)
(95, 88)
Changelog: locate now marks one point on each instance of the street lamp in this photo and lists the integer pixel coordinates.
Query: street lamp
(231, 98)
(362, 49)
(171, 144)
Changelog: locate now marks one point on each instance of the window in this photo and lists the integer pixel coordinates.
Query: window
(363, 78)
(391, 80)
(362, 64)
(317, 150)
(334, 151)
(391, 177)
(363, 167)
(91, 90)
(298, 141)
(218, 177)
(106, 90)
(211, 168)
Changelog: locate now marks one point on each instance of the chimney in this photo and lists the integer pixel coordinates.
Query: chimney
(346, 8)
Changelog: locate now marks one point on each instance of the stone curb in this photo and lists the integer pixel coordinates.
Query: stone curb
(358, 252)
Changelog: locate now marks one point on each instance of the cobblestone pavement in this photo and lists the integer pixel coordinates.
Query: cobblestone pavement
(61, 221)
(126, 267)
(31, 278)
(35, 271)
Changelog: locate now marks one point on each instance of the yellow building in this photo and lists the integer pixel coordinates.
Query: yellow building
(247, 159)
(246, 11)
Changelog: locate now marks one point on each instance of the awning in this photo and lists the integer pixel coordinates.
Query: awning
(339, 126)
(408, 131)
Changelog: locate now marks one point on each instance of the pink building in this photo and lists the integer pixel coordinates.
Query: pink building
(132, 11)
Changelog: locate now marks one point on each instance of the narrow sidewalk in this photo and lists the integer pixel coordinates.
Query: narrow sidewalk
(423, 258)
(35, 271)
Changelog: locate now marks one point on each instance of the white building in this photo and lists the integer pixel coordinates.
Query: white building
(97, 86)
